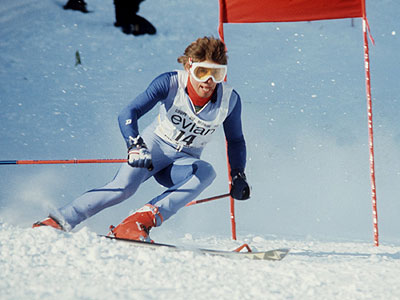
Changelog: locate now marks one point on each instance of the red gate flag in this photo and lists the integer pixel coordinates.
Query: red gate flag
(255, 11)
(245, 11)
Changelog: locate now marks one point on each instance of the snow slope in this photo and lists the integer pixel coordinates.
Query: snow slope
(47, 264)
(304, 116)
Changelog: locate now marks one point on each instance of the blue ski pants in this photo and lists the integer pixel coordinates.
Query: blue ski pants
(185, 176)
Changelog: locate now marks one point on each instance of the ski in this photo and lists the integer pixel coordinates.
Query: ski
(275, 255)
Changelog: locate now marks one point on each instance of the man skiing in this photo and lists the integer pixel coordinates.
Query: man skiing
(194, 102)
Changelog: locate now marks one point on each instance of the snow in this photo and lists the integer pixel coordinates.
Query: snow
(43, 263)
(305, 123)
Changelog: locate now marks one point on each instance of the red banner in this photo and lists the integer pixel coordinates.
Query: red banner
(254, 11)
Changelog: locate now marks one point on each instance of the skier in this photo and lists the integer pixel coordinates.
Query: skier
(194, 102)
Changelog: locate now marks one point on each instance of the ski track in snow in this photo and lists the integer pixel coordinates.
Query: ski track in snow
(52, 109)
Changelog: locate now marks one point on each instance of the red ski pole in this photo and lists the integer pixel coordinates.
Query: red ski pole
(62, 161)
(207, 199)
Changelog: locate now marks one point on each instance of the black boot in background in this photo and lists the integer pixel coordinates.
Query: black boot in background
(128, 20)
(122, 15)
(142, 26)
(76, 5)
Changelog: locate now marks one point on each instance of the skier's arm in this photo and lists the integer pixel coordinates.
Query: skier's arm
(129, 116)
(234, 137)
(240, 189)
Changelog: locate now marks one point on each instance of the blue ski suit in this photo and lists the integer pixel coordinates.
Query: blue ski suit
(175, 139)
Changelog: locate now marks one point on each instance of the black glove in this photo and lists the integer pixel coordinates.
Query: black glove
(138, 154)
(240, 189)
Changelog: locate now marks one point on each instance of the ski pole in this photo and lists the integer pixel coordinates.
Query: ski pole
(208, 199)
(67, 161)
(62, 161)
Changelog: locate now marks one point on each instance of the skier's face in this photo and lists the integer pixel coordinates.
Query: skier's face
(203, 89)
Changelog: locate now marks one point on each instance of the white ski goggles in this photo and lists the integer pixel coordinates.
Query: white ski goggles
(202, 71)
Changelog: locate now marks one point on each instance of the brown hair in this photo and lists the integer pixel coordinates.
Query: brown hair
(206, 48)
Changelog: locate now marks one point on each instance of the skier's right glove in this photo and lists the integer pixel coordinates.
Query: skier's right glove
(240, 189)
(138, 154)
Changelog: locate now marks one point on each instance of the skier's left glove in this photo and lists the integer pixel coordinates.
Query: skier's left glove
(240, 189)
(138, 154)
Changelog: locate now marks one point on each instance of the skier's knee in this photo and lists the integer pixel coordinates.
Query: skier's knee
(204, 171)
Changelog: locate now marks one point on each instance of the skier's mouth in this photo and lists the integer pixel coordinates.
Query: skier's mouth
(206, 89)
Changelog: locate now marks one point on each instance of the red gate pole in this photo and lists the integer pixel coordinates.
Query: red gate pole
(370, 128)
(232, 201)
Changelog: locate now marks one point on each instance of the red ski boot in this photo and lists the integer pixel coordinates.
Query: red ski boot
(49, 222)
(137, 226)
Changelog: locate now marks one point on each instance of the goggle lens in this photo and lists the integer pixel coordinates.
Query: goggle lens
(203, 71)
